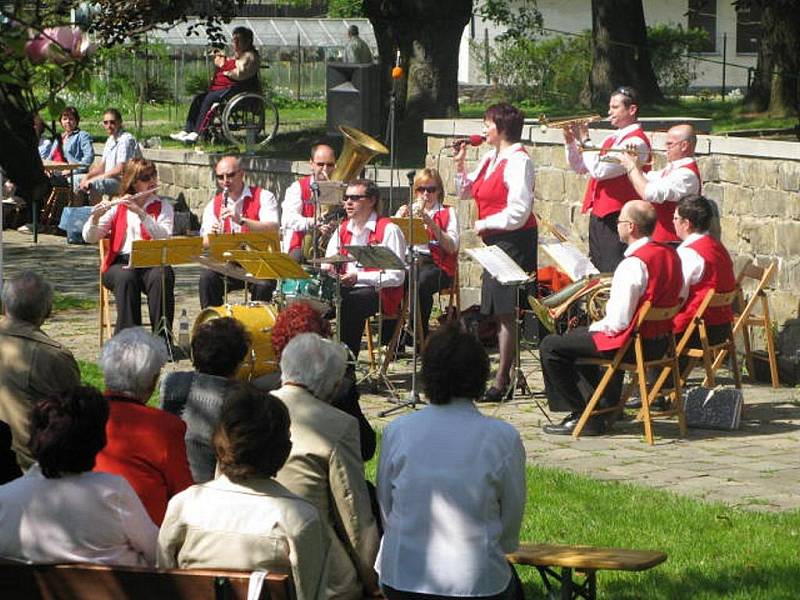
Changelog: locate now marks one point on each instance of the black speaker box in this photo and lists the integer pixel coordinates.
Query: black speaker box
(353, 97)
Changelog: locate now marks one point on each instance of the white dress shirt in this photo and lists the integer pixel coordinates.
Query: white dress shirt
(518, 177)
(451, 487)
(671, 183)
(159, 229)
(118, 149)
(692, 264)
(392, 239)
(292, 218)
(267, 210)
(627, 287)
(589, 162)
(85, 517)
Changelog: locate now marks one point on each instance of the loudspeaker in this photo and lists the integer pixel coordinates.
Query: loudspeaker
(353, 97)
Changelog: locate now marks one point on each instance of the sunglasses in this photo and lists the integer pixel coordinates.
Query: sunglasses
(147, 177)
(625, 91)
(230, 175)
(427, 188)
(325, 164)
(355, 196)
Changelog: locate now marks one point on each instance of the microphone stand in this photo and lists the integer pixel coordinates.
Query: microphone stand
(391, 126)
(317, 215)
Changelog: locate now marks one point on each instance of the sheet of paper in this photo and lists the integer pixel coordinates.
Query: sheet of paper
(499, 264)
(569, 259)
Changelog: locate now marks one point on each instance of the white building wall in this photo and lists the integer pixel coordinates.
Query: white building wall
(575, 16)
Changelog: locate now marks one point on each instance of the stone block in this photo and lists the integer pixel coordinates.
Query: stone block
(549, 184)
(708, 168)
(789, 175)
(575, 186)
(166, 173)
(770, 203)
(716, 193)
(759, 173)
(728, 169)
(540, 155)
(561, 216)
(730, 233)
(435, 144)
(792, 209)
(558, 158)
(738, 200)
(757, 236)
(784, 305)
(788, 239)
(789, 274)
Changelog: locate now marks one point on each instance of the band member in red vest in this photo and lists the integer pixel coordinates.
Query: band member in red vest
(650, 271)
(297, 211)
(123, 221)
(232, 74)
(502, 186)
(609, 188)
(236, 208)
(361, 288)
(436, 260)
(663, 188)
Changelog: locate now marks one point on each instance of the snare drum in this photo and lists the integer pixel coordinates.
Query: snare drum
(318, 290)
(258, 319)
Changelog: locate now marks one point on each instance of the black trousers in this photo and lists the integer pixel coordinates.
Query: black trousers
(565, 391)
(200, 105)
(431, 280)
(128, 286)
(606, 251)
(212, 289)
(358, 304)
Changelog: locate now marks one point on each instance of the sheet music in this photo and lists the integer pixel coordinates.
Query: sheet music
(376, 257)
(569, 259)
(499, 264)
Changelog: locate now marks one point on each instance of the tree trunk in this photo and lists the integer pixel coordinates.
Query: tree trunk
(428, 34)
(620, 53)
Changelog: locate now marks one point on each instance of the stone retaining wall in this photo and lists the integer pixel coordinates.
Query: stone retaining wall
(756, 184)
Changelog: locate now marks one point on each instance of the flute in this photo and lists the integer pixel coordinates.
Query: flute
(119, 201)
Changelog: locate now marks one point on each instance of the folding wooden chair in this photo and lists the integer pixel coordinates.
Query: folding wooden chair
(453, 294)
(106, 326)
(639, 368)
(746, 319)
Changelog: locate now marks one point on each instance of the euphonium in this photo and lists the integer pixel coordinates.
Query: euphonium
(359, 148)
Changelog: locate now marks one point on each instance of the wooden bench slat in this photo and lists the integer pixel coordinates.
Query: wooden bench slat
(586, 557)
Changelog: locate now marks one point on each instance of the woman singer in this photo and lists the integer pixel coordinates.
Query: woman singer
(502, 186)
(139, 214)
(436, 262)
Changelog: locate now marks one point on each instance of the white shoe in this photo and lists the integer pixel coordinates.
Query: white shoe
(180, 136)
(28, 228)
(190, 138)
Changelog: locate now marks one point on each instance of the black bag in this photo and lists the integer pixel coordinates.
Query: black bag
(713, 408)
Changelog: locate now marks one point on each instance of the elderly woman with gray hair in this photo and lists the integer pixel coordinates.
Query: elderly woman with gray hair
(324, 464)
(145, 445)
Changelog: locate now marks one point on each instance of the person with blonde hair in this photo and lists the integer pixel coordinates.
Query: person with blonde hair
(138, 214)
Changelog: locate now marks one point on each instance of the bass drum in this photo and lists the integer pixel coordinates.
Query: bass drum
(258, 319)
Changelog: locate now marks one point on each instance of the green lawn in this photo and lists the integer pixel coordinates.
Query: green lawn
(715, 552)
(64, 302)
(92, 375)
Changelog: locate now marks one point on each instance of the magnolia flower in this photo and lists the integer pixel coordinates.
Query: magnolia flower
(58, 45)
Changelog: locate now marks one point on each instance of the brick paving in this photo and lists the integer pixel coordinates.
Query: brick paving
(757, 467)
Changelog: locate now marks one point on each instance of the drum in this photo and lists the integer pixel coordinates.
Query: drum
(318, 290)
(258, 319)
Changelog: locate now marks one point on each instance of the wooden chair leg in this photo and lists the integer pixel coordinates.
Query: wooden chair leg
(773, 360)
(737, 375)
(370, 346)
(748, 353)
(388, 356)
(643, 394)
(590, 406)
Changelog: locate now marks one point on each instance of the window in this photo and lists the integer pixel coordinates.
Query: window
(748, 29)
(703, 15)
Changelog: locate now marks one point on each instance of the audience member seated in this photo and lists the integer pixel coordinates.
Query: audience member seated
(451, 484)
(33, 365)
(9, 469)
(218, 348)
(244, 519)
(232, 74)
(104, 177)
(73, 146)
(324, 465)
(145, 445)
(61, 512)
(301, 317)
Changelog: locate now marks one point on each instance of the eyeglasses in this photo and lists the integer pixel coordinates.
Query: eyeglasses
(427, 188)
(230, 175)
(621, 222)
(147, 177)
(109, 121)
(355, 196)
(325, 164)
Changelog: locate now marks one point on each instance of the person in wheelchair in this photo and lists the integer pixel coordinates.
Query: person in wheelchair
(232, 74)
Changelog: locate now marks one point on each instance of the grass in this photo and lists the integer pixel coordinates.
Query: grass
(64, 302)
(715, 551)
(92, 375)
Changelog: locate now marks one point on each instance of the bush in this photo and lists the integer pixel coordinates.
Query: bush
(669, 47)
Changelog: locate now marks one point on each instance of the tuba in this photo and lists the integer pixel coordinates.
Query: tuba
(359, 148)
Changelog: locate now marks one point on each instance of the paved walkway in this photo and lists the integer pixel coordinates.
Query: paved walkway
(757, 467)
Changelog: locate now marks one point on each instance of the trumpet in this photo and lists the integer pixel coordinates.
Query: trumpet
(546, 124)
(606, 153)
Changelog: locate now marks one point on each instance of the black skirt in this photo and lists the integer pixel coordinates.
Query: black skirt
(521, 246)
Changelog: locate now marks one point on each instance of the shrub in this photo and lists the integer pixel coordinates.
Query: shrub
(669, 49)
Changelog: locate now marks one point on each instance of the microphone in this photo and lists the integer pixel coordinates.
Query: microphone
(397, 70)
(473, 140)
(410, 176)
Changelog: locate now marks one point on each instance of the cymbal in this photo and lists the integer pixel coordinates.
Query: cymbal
(228, 269)
(336, 259)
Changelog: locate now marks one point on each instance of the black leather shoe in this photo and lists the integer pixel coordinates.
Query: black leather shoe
(594, 426)
(634, 402)
(494, 394)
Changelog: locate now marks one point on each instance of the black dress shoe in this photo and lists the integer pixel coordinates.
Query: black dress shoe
(634, 402)
(594, 426)
(494, 394)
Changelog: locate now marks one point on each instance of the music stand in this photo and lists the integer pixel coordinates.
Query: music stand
(267, 265)
(219, 244)
(381, 259)
(164, 253)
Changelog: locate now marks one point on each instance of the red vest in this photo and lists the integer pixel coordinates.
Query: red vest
(391, 297)
(664, 281)
(665, 228)
(307, 210)
(250, 208)
(119, 230)
(491, 194)
(220, 80)
(717, 274)
(607, 196)
(446, 262)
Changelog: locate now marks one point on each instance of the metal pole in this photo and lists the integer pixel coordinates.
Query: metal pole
(486, 55)
(298, 67)
(724, 61)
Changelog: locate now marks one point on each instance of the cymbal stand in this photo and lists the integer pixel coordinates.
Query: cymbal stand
(317, 217)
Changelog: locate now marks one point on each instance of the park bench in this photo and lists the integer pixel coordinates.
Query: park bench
(100, 582)
(581, 560)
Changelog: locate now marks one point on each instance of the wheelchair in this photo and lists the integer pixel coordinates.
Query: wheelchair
(244, 119)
